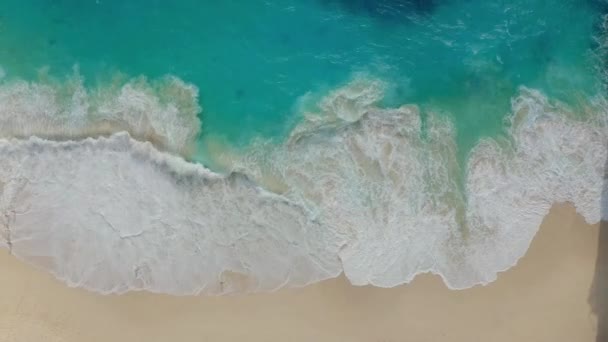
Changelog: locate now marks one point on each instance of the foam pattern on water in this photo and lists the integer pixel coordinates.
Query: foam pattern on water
(381, 184)
(113, 214)
(164, 111)
(551, 157)
(368, 191)
(394, 189)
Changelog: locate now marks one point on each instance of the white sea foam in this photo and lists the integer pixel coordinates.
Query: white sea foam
(352, 101)
(368, 192)
(113, 214)
(379, 184)
(551, 157)
(393, 191)
(164, 112)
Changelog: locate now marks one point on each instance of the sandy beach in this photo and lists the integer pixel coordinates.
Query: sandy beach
(551, 295)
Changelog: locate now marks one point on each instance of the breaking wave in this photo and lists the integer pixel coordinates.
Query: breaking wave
(163, 111)
(368, 191)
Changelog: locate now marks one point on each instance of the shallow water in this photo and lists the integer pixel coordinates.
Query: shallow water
(252, 61)
(382, 139)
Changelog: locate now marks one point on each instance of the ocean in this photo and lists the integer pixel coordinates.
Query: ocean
(225, 146)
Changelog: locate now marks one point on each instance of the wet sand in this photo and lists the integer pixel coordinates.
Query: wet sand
(551, 295)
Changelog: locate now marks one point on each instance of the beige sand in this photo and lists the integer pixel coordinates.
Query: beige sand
(545, 298)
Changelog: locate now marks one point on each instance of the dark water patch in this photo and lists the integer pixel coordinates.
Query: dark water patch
(389, 10)
(543, 49)
(240, 93)
(285, 39)
(599, 5)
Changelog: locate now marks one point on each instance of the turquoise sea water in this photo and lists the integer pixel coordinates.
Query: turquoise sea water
(253, 60)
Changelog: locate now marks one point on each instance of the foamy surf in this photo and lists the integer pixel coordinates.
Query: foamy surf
(162, 111)
(392, 186)
(114, 214)
(362, 190)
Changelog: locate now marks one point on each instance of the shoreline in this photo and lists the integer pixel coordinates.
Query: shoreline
(545, 297)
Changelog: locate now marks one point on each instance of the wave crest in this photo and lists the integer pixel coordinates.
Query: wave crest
(164, 112)
(375, 194)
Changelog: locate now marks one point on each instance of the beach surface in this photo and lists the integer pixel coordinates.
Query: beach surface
(553, 294)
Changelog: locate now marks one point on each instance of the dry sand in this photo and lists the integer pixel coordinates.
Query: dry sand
(548, 296)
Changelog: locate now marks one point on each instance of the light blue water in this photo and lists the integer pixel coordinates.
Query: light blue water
(252, 60)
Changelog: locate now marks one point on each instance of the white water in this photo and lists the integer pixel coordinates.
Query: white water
(163, 111)
(362, 190)
(113, 214)
(394, 193)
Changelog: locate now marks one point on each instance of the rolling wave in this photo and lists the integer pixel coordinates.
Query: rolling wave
(376, 193)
